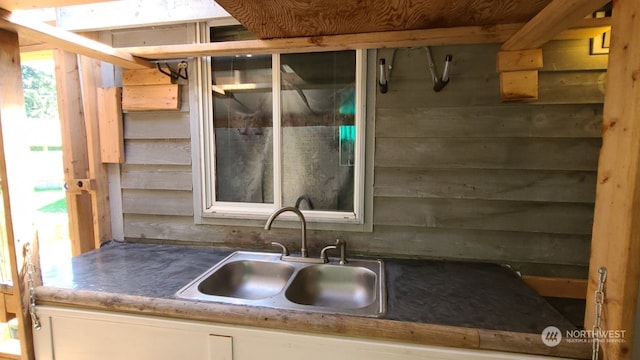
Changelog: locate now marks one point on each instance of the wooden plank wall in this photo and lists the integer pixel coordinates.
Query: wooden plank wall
(501, 182)
(458, 174)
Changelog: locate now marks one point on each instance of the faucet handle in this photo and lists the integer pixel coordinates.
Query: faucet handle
(343, 251)
(285, 251)
(323, 253)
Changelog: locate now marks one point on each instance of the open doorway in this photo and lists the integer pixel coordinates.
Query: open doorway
(35, 176)
(46, 176)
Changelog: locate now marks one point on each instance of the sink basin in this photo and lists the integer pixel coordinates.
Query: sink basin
(263, 279)
(342, 287)
(247, 279)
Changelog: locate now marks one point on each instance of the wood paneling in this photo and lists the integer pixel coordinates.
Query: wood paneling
(155, 152)
(149, 36)
(556, 251)
(488, 153)
(571, 55)
(507, 121)
(154, 125)
(527, 216)
(175, 203)
(561, 87)
(489, 184)
(287, 18)
(151, 177)
(458, 174)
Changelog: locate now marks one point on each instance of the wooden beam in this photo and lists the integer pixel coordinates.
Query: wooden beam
(390, 39)
(68, 41)
(519, 74)
(556, 17)
(111, 125)
(11, 108)
(294, 18)
(519, 85)
(586, 29)
(91, 79)
(557, 287)
(151, 97)
(36, 4)
(520, 60)
(74, 150)
(616, 227)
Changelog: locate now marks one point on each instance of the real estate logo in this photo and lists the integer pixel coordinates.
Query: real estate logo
(551, 336)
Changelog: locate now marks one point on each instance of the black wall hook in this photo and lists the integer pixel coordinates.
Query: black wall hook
(180, 73)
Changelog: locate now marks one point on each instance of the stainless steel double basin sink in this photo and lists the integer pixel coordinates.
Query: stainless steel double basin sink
(263, 279)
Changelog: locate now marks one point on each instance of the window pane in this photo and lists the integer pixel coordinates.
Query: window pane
(243, 128)
(318, 130)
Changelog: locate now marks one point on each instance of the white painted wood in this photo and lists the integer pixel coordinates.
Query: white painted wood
(43, 339)
(220, 347)
(135, 13)
(82, 334)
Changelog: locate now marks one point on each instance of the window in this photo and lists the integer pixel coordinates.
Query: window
(284, 130)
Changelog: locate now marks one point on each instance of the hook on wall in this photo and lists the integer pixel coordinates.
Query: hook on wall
(385, 72)
(179, 73)
(438, 83)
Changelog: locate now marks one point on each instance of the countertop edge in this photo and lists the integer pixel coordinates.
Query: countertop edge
(360, 327)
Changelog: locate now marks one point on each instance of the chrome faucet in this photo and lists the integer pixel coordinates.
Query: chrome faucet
(304, 256)
(303, 225)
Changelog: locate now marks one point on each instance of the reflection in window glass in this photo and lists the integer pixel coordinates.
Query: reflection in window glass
(318, 130)
(243, 128)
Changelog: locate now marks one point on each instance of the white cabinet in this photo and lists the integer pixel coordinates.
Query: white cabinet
(80, 334)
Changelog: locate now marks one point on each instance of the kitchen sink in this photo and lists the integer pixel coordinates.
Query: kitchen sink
(247, 279)
(344, 287)
(263, 279)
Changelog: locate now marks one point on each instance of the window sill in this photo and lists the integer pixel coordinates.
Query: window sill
(285, 221)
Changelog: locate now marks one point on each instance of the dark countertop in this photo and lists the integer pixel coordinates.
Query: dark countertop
(458, 294)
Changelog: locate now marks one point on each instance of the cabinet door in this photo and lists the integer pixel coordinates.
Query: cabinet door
(85, 335)
(76, 334)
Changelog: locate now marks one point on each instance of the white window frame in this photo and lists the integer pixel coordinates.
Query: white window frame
(208, 210)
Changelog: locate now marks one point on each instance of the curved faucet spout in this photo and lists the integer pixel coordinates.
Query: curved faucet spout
(267, 226)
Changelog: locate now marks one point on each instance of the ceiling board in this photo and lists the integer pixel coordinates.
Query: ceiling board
(37, 4)
(68, 41)
(296, 18)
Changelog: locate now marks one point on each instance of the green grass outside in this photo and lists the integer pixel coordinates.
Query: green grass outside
(58, 207)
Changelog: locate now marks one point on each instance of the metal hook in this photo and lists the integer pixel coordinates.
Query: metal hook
(181, 73)
(438, 83)
(385, 72)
